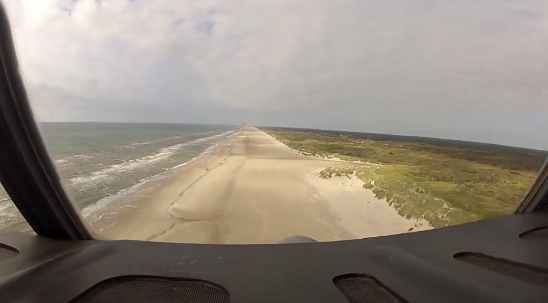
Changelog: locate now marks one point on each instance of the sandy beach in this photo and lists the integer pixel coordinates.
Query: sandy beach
(254, 189)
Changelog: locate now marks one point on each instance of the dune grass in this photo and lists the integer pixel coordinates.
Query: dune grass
(442, 184)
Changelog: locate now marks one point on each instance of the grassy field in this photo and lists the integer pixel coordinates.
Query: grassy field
(443, 182)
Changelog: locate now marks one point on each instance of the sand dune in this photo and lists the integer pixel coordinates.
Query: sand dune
(253, 189)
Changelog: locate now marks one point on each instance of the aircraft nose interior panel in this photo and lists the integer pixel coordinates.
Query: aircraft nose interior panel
(486, 261)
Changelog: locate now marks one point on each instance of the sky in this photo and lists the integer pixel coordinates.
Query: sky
(469, 69)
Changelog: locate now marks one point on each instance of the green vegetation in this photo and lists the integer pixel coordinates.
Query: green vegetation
(443, 184)
(337, 171)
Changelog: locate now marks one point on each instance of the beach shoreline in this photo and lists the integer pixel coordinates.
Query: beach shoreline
(252, 189)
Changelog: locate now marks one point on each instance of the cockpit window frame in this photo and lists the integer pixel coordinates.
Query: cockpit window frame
(26, 170)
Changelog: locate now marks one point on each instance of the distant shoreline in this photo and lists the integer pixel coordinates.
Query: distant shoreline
(409, 138)
(377, 136)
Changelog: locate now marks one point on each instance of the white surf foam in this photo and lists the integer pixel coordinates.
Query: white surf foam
(68, 160)
(155, 141)
(161, 155)
(96, 208)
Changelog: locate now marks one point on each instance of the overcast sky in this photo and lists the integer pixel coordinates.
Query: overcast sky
(468, 69)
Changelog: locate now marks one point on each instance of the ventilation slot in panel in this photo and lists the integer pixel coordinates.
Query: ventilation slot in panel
(537, 234)
(147, 290)
(520, 271)
(364, 289)
(7, 252)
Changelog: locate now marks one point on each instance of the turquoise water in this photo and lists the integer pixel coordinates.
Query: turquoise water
(99, 162)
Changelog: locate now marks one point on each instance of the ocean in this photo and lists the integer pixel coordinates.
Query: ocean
(103, 163)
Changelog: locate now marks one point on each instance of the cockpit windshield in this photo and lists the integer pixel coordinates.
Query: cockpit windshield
(240, 122)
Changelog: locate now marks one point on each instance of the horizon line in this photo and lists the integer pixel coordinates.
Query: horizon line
(305, 128)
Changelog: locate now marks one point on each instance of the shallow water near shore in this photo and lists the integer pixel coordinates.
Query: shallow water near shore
(100, 163)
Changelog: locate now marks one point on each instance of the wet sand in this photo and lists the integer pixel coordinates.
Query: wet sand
(253, 189)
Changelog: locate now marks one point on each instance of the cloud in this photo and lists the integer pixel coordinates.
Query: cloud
(473, 70)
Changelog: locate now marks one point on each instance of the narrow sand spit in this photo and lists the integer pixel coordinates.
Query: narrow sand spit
(253, 189)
